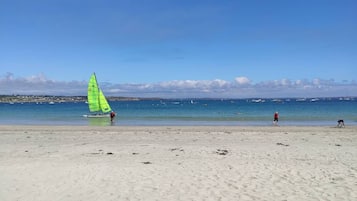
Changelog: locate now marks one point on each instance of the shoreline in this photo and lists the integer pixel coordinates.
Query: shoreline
(105, 128)
(177, 163)
(77, 129)
(142, 123)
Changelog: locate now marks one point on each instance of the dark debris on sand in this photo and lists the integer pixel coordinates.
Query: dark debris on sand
(281, 144)
(221, 151)
(177, 149)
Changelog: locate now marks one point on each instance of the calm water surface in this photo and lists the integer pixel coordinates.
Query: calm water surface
(187, 112)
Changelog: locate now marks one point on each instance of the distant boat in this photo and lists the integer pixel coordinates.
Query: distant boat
(97, 103)
(346, 99)
(301, 99)
(258, 100)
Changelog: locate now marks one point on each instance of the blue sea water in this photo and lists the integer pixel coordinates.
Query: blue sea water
(187, 112)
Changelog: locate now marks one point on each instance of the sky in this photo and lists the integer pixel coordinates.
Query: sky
(180, 48)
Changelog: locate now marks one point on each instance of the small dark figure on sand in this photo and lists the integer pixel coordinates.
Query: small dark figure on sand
(340, 123)
(112, 115)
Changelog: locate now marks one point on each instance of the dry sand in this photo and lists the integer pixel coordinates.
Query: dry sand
(42, 163)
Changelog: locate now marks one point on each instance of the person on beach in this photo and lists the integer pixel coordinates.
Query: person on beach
(276, 118)
(112, 115)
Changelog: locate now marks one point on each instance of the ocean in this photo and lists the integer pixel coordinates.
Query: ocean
(241, 112)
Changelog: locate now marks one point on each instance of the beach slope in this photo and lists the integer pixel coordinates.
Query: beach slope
(177, 163)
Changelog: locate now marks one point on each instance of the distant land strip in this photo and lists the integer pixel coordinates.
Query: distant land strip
(55, 99)
(63, 99)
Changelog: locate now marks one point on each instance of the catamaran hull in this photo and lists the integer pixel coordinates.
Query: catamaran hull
(96, 115)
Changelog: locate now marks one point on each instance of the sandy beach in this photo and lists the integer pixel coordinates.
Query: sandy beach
(177, 163)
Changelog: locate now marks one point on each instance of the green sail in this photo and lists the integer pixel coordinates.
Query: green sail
(96, 99)
(93, 94)
(103, 103)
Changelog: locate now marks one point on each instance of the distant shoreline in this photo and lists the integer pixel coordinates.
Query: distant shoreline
(63, 99)
(54, 99)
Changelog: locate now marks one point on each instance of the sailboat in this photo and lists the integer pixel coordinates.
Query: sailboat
(97, 103)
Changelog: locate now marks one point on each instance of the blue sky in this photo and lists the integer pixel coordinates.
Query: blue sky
(180, 48)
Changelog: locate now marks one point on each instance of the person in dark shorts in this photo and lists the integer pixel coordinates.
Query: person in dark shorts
(112, 115)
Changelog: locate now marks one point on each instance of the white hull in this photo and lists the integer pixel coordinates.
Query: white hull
(96, 115)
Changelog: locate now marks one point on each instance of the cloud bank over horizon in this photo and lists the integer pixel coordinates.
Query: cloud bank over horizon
(238, 87)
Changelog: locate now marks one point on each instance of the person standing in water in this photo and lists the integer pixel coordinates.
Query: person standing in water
(276, 118)
(112, 115)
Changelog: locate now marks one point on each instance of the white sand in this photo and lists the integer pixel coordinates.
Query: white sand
(42, 163)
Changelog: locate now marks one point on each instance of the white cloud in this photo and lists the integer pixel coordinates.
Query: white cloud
(40, 78)
(285, 82)
(190, 86)
(316, 81)
(242, 80)
(241, 87)
(39, 85)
